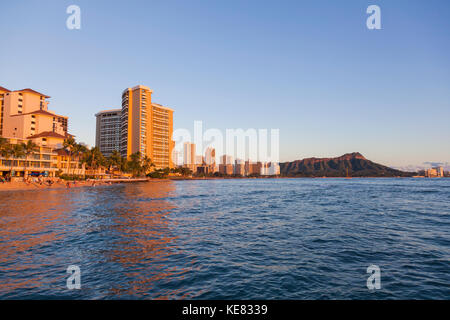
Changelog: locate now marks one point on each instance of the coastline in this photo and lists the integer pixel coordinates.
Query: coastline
(22, 186)
(58, 185)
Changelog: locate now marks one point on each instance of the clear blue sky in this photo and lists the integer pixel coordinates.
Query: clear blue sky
(310, 68)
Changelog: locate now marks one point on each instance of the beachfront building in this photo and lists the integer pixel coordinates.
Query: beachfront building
(45, 160)
(42, 161)
(161, 136)
(25, 115)
(69, 164)
(146, 127)
(107, 133)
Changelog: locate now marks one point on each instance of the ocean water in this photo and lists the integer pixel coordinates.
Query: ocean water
(229, 239)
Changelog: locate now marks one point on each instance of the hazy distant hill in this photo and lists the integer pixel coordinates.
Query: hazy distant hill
(353, 163)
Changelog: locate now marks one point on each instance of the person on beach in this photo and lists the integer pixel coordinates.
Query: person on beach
(68, 184)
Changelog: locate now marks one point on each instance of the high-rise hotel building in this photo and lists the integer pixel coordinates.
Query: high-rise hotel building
(146, 127)
(107, 135)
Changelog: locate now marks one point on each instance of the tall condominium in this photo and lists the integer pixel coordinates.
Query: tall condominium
(146, 127)
(107, 134)
(189, 156)
(24, 115)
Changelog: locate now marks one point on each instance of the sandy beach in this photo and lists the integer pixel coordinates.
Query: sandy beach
(22, 186)
(62, 184)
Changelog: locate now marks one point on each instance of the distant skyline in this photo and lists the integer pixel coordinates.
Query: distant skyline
(310, 68)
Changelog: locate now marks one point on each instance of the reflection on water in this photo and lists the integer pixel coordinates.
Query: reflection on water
(229, 239)
(146, 241)
(28, 220)
(116, 232)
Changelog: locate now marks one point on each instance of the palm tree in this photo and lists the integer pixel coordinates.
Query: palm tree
(94, 158)
(134, 164)
(124, 165)
(15, 151)
(78, 151)
(114, 160)
(147, 164)
(5, 149)
(3, 143)
(185, 171)
(29, 149)
(69, 144)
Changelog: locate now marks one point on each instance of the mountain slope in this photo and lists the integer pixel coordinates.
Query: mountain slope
(353, 163)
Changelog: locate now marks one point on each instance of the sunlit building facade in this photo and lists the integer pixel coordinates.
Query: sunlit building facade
(3, 91)
(146, 127)
(25, 115)
(45, 159)
(189, 156)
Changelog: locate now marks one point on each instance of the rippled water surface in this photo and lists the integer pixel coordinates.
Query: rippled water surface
(229, 239)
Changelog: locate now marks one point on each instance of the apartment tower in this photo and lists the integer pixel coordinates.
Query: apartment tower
(189, 155)
(146, 127)
(107, 133)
